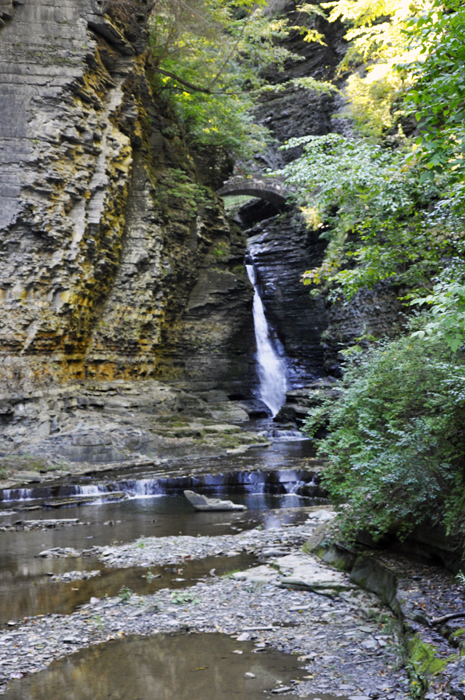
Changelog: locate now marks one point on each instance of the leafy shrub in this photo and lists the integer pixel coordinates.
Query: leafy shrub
(125, 594)
(397, 438)
(446, 318)
(382, 221)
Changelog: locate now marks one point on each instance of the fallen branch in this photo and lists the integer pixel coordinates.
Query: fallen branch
(445, 618)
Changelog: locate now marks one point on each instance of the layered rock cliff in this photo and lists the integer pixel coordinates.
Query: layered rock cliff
(115, 261)
(118, 266)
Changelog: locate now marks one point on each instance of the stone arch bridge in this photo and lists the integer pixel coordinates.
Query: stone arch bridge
(271, 189)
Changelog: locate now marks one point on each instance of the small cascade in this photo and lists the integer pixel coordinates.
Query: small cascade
(88, 490)
(287, 435)
(271, 366)
(141, 488)
(240, 482)
(17, 495)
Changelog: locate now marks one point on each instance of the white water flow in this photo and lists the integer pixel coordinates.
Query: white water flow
(271, 367)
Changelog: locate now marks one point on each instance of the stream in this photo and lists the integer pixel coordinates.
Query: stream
(155, 618)
(253, 480)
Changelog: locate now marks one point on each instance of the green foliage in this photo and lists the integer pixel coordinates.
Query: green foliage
(208, 56)
(437, 97)
(375, 27)
(447, 310)
(375, 211)
(414, 53)
(397, 438)
(372, 99)
(176, 189)
(310, 34)
(321, 87)
(125, 594)
(221, 250)
(378, 40)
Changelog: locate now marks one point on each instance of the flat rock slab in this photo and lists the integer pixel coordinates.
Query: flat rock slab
(200, 502)
(322, 516)
(303, 571)
(297, 571)
(259, 574)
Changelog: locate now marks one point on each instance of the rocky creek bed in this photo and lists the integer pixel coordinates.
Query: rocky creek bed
(360, 621)
(348, 638)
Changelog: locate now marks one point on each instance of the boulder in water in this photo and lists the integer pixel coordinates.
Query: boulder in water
(200, 502)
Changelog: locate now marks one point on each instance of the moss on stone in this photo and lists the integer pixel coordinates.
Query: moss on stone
(458, 633)
(423, 657)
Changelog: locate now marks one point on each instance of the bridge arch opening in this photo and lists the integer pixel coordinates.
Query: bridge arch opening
(271, 190)
(248, 211)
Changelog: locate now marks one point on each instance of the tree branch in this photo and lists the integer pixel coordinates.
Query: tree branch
(445, 618)
(186, 83)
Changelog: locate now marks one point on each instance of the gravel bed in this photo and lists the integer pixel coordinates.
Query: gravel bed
(155, 551)
(347, 643)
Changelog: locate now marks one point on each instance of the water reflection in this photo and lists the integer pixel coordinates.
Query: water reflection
(41, 596)
(183, 667)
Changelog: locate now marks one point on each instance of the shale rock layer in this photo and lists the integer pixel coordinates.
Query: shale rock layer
(115, 262)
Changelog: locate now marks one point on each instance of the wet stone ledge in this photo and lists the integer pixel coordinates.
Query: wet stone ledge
(425, 598)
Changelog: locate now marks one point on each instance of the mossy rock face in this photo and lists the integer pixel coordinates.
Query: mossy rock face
(423, 657)
(316, 542)
(368, 573)
(339, 558)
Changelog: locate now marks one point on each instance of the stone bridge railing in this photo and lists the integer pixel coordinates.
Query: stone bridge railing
(272, 189)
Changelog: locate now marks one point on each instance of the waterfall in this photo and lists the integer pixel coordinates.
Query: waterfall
(271, 366)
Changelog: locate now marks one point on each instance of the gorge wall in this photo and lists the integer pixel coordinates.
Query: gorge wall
(109, 266)
(119, 268)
